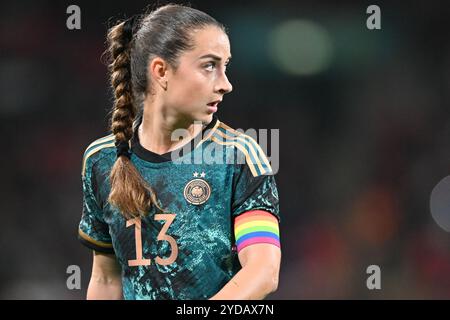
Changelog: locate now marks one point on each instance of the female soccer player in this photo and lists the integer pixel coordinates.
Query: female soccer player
(176, 218)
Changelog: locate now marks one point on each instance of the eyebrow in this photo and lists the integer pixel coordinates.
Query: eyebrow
(210, 55)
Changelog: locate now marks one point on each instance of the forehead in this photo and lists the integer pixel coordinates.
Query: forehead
(210, 40)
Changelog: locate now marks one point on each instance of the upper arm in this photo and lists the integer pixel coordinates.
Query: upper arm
(105, 266)
(263, 254)
(106, 282)
(262, 260)
(258, 240)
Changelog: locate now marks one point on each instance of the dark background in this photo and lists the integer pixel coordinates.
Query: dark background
(364, 138)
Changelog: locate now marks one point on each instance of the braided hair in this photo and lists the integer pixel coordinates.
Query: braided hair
(132, 44)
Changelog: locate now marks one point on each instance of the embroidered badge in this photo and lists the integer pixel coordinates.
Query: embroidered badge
(197, 191)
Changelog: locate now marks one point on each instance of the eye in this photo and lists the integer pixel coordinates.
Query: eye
(210, 66)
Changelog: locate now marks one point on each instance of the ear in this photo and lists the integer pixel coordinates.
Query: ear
(158, 72)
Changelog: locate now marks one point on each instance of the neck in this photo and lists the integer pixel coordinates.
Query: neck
(155, 131)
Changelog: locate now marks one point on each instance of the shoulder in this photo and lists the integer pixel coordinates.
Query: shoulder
(96, 150)
(245, 146)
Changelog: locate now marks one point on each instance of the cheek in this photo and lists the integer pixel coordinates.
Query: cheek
(192, 87)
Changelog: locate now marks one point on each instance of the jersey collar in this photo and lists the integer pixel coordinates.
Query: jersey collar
(151, 156)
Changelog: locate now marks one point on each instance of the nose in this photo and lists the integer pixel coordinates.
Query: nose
(223, 85)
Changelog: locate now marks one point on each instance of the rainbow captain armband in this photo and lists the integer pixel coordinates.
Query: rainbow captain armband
(256, 226)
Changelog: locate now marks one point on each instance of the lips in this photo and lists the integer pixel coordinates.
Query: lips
(212, 106)
(214, 103)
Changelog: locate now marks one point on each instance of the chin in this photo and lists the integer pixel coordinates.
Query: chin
(209, 117)
(204, 118)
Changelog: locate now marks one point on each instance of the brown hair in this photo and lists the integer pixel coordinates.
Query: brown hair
(163, 33)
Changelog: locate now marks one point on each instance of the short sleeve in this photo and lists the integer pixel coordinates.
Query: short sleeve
(93, 231)
(254, 193)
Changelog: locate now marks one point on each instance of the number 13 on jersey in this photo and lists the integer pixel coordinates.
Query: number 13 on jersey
(162, 236)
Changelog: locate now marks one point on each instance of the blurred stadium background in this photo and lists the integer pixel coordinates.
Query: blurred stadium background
(364, 129)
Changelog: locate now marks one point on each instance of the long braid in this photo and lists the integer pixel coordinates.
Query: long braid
(129, 191)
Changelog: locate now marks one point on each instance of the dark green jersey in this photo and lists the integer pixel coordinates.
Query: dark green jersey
(186, 251)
